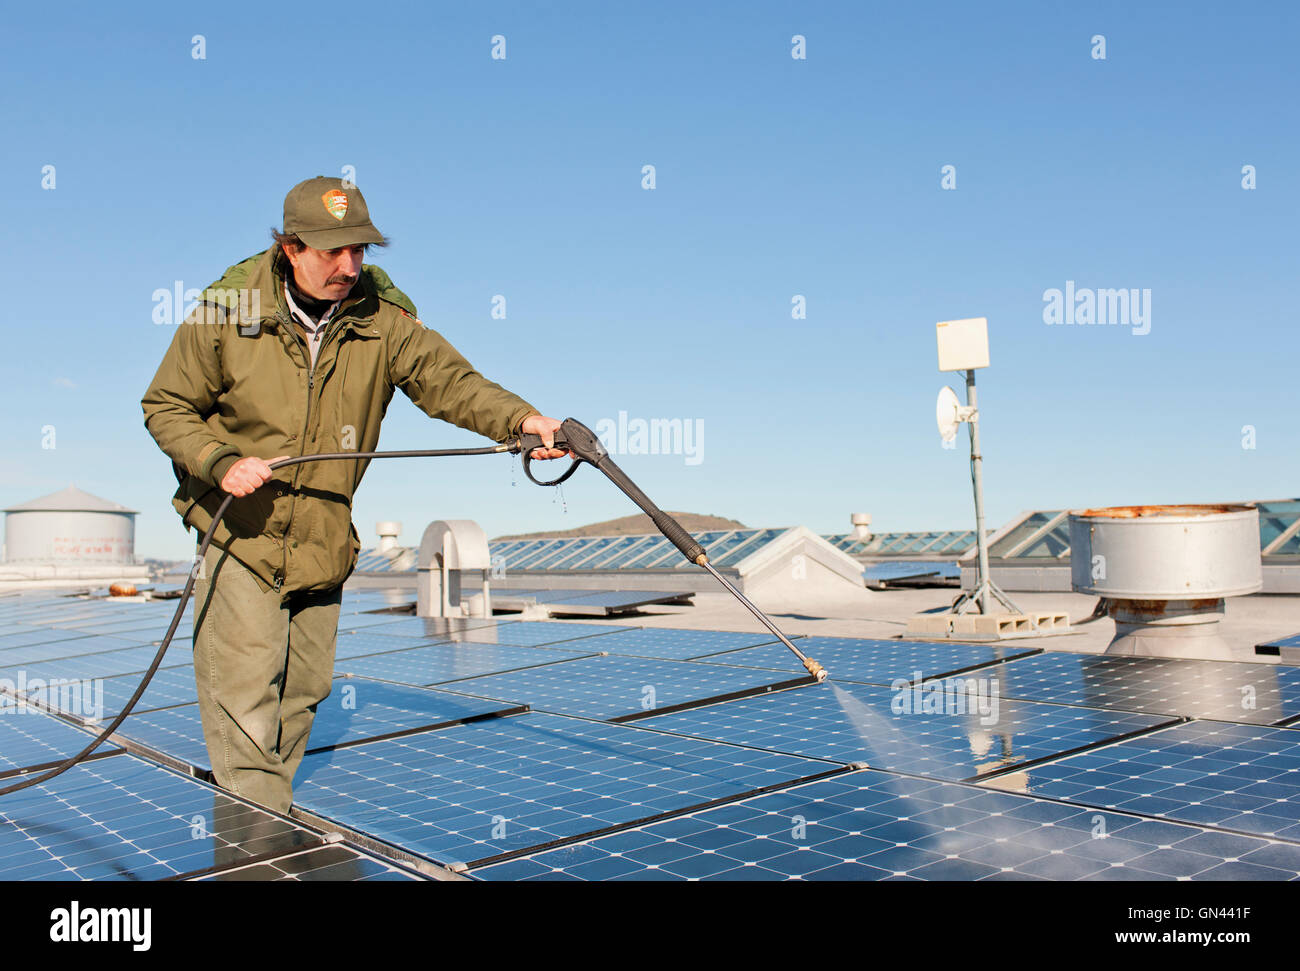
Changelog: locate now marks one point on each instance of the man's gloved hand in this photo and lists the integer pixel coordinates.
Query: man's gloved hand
(245, 476)
(546, 428)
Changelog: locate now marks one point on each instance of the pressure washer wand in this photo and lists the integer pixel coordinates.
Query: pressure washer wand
(585, 446)
(815, 669)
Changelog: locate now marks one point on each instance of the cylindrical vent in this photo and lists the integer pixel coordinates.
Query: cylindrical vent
(862, 525)
(1166, 552)
(388, 532)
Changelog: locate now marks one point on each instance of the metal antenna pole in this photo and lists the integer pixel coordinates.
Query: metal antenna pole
(984, 585)
(977, 480)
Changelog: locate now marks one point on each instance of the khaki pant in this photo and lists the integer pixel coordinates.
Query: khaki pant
(261, 668)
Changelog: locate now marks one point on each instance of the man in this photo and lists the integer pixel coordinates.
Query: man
(295, 351)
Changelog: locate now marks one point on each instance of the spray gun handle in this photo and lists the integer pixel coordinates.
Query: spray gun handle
(585, 446)
(525, 444)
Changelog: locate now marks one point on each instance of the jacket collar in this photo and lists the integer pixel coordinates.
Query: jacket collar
(354, 310)
(261, 276)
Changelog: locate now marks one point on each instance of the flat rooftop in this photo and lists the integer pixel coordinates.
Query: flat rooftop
(676, 742)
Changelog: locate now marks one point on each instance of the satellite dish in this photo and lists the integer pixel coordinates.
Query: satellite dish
(945, 413)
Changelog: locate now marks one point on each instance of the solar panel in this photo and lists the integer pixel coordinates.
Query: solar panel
(59, 650)
(30, 635)
(361, 643)
(859, 723)
(601, 603)
(357, 709)
(677, 643)
(880, 572)
(424, 628)
(125, 819)
(1239, 691)
(177, 732)
(124, 628)
(105, 664)
(618, 686)
(325, 863)
(31, 739)
(169, 687)
(871, 826)
(1238, 777)
(440, 663)
(1293, 642)
(477, 791)
(537, 633)
(875, 661)
(378, 621)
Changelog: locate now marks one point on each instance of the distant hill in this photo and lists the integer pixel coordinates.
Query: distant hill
(634, 526)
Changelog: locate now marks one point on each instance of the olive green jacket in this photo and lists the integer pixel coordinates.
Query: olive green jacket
(237, 381)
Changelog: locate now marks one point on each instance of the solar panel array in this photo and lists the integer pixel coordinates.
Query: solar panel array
(577, 602)
(547, 750)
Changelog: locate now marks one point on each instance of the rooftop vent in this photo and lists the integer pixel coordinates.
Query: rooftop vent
(1165, 572)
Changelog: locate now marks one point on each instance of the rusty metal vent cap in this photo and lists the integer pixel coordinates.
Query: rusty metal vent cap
(1166, 552)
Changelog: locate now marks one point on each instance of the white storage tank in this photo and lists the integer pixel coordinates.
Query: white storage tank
(70, 527)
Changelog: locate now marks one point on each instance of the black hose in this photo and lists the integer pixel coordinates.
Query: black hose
(510, 446)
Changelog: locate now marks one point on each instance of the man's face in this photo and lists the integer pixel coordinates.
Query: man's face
(325, 274)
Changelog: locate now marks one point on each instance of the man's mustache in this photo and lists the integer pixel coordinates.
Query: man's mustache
(341, 279)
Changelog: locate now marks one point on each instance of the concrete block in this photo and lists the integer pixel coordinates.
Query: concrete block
(930, 624)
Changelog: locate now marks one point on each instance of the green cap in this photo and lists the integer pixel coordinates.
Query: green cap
(329, 213)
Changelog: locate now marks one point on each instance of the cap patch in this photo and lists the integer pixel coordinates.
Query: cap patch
(336, 203)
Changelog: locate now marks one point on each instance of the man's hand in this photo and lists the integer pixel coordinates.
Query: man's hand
(247, 475)
(546, 428)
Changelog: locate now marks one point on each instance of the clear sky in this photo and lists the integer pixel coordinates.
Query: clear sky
(775, 177)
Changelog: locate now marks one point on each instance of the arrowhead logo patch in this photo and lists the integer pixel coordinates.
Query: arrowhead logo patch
(336, 203)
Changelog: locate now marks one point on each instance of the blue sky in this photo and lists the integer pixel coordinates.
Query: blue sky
(775, 177)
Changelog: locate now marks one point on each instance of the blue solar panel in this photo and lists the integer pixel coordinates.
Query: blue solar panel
(325, 863)
(616, 686)
(538, 633)
(1238, 777)
(169, 687)
(357, 709)
(599, 602)
(874, 661)
(33, 653)
(30, 738)
(87, 614)
(127, 628)
(439, 663)
(893, 730)
(474, 792)
(105, 664)
(882, 572)
(362, 643)
(1239, 691)
(35, 635)
(427, 628)
(1292, 641)
(125, 819)
(177, 732)
(679, 644)
(871, 826)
